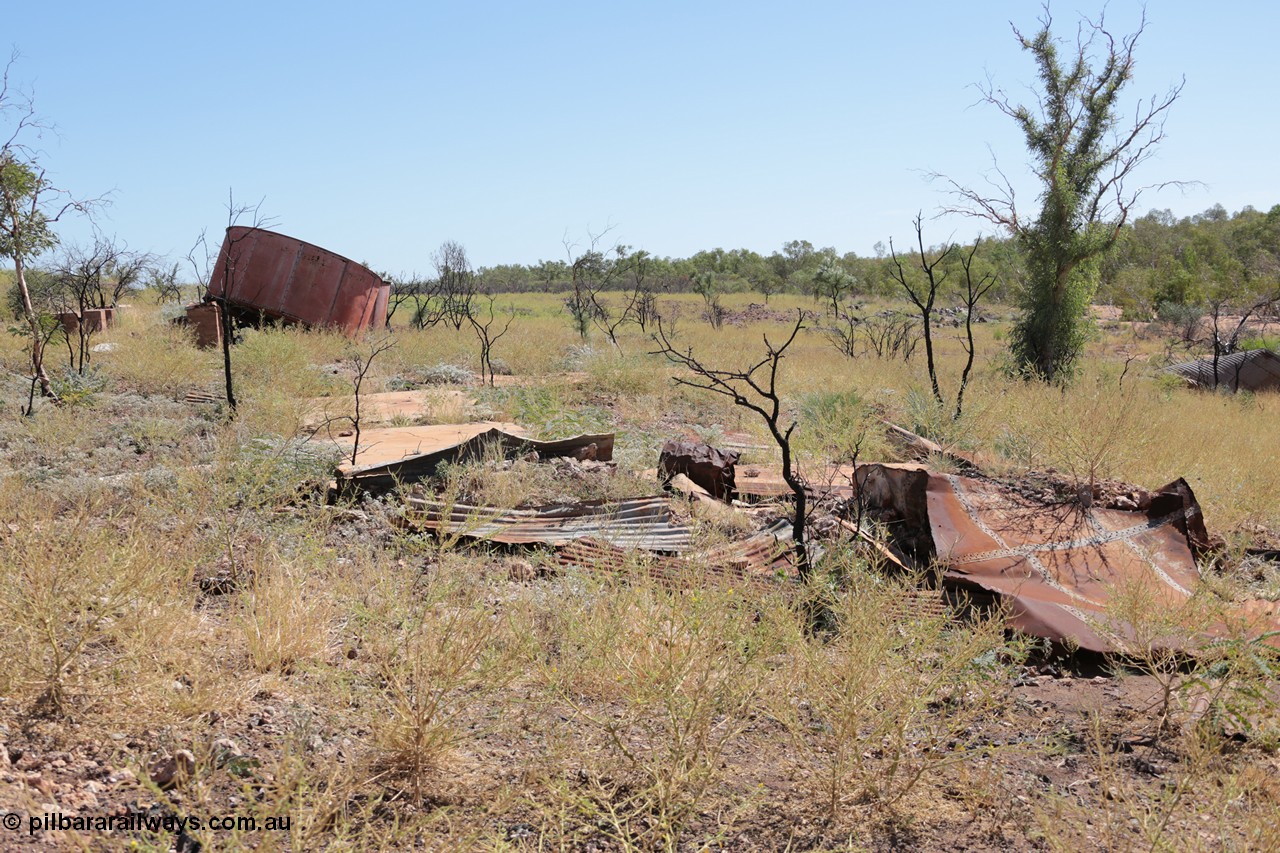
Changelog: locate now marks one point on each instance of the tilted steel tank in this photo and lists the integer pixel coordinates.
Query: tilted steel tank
(289, 279)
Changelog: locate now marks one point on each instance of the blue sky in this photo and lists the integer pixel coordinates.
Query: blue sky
(378, 130)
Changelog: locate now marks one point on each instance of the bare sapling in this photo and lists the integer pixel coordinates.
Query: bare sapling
(974, 291)
(755, 388)
(487, 334)
(361, 359)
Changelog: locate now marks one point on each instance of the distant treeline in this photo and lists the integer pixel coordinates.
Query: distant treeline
(1158, 259)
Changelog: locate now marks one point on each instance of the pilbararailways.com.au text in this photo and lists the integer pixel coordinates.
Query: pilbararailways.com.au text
(57, 822)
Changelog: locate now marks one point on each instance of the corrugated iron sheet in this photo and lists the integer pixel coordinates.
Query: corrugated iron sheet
(284, 277)
(1252, 370)
(641, 523)
(762, 559)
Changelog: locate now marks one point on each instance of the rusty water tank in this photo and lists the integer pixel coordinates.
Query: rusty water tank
(290, 279)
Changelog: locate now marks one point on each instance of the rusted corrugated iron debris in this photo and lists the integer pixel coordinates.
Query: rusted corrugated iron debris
(1057, 566)
(642, 523)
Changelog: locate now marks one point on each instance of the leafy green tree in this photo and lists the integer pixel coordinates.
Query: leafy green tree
(832, 284)
(1084, 154)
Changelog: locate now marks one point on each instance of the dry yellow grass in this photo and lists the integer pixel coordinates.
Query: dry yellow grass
(389, 692)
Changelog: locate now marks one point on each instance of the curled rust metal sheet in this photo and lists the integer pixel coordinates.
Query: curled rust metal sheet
(407, 454)
(287, 278)
(1058, 568)
(642, 523)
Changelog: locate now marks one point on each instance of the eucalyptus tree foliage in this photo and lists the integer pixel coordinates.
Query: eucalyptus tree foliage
(1085, 145)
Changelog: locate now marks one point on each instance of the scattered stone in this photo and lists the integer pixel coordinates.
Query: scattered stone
(173, 770)
(224, 749)
(520, 570)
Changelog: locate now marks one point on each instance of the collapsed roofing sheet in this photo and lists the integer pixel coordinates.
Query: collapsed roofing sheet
(1252, 370)
(407, 454)
(643, 523)
(1058, 568)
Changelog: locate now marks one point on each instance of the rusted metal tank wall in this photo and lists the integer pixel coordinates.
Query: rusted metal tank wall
(298, 281)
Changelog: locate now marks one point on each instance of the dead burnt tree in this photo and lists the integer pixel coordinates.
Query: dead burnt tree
(644, 302)
(126, 271)
(95, 278)
(974, 291)
(890, 334)
(403, 289)
(164, 281)
(590, 273)
(843, 333)
(78, 272)
(923, 293)
(637, 304)
(487, 334)
(756, 389)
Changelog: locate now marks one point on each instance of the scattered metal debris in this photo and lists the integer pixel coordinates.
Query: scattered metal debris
(707, 467)
(762, 559)
(1055, 564)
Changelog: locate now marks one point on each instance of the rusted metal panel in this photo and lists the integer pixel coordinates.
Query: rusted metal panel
(708, 467)
(1058, 567)
(296, 281)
